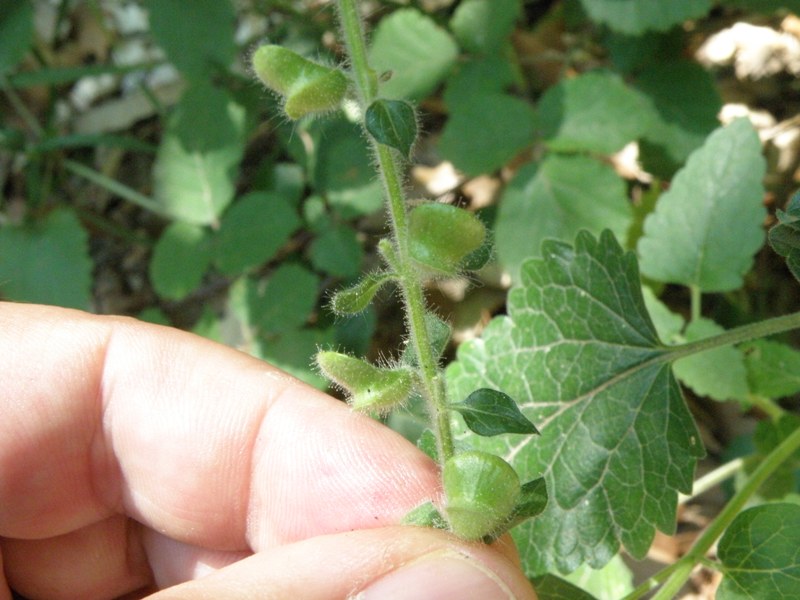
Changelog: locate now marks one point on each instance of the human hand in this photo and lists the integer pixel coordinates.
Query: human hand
(136, 458)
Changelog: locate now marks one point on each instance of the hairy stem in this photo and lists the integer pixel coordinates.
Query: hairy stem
(408, 278)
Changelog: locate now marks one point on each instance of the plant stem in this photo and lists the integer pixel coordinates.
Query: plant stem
(713, 478)
(696, 302)
(409, 281)
(745, 333)
(113, 186)
(681, 570)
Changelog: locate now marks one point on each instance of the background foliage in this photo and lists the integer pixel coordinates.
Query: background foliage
(144, 172)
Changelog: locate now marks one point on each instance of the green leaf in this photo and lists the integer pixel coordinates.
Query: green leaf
(579, 353)
(708, 225)
(773, 369)
(719, 373)
(427, 443)
(425, 515)
(418, 53)
(556, 199)
(197, 162)
(393, 123)
(638, 16)
(343, 170)
(532, 501)
(252, 231)
(293, 351)
(552, 587)
(482, 26)
(281, 303)
(685, 105)
(764, 6)
(612, 582)
(485, 131)
(16, 32)
(594, 112)
(180, 259)
(489, 412)
(760, 554)
(195, 42)
(784, 237)
(337, 251)
(356, 298)
(766, 437)
(47, 261)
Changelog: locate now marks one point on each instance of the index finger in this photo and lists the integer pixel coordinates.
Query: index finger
(105, 415)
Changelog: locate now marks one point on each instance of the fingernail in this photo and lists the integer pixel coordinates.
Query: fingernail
(440, 576)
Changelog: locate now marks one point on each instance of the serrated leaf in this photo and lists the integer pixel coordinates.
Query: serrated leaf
(418, 53)
(760, 554)
(16, 32)
(195, 43)
(556, 199)
(685, 103)
(612, 582)
(180, 259)
(486, 130)
(773, 369)
(196, 165)
(393, 123)
(490, 412)
(484, 25)
(47, 261)
(252, 231)
(708, 225)
(718, 373)
(581, 356)
(638, 16)
(784, 237)
(594, 112)
(552, 587)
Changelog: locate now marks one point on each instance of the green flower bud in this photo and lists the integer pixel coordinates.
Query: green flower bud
(370, 388)
(306, 86)
(482, 490)
(441, 236)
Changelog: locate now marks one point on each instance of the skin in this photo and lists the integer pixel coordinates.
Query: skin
(136, 458)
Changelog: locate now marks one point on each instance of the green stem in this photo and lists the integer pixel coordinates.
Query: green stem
(409, 281)
(713, 478)
(681, 570)
(696, 302)
(745, 333)
(767, 405)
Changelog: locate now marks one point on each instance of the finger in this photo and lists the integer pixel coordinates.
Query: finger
(104, 416)
(387, 563)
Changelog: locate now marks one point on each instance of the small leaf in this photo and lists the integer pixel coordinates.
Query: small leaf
(47, 261)
(785, 236)
(415, 49)
(427, 443)
(252, 231)
(638, 16)
(759, 552)
(337, 251)
(442, 235)
(483, 25)
(393, 123)
(708, 225)
(356, 298)
(180, 259)
(489, 412)
(552, 587)
(16, 32)
(425, 515)
(532, 501)
(197, 43)
(595, 112)
(773, 369)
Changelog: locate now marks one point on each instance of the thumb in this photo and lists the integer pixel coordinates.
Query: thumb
(390, 563)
